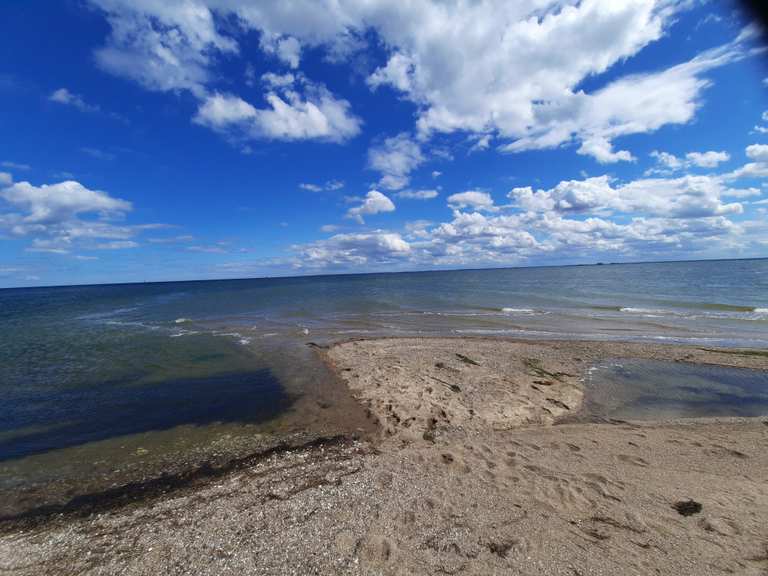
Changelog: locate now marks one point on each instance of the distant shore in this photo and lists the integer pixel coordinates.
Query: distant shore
(482, 463)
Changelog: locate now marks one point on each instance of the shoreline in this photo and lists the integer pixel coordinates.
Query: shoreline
(477, 454)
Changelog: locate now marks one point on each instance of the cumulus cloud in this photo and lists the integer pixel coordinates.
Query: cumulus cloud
(668, 163)
(57, 202)
(685, 197)
(316, 114)
(162, 45)
(649, 217)
(758, 168)
(374, 203)
(344, 250)
(5, 178)
(395, 159)
(711, 159)
(173, 46)
(521, 88)
(472, 199)
(59, 217)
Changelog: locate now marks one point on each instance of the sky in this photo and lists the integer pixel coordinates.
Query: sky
(153, 140)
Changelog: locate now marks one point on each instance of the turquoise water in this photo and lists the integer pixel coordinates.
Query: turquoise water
(107, 380)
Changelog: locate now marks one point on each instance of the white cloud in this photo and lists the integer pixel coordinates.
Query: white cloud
(472, 199)
(417, 194)
(287, 50)
(374, 203)
(57, 202)
(436, 173)
(344, 250)
(64, 96)
(522, 87)
(668, 163)
(758, 152)
(220, 111)
(290, 116)
(685, 197)
(171, 46)
(395, 159)
(711, 159)
(5, 178)
(756, 169)
(63, 216)
(328, 228)
(116, 245)
(630, 105)
(172, 239)
(15, 166)
(329, 186)
(273, 80)
(667, 160)
(162, 45)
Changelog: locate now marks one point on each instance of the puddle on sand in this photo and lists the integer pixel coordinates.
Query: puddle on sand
(630, 389)
(67, 442)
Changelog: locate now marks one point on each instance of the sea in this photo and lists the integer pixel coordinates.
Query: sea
(106, 384)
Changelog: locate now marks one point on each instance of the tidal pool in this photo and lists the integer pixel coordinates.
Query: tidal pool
(653, 390)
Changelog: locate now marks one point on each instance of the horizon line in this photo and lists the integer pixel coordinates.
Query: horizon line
(246, 278)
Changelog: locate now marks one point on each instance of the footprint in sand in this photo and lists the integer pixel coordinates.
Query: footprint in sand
(636, 460)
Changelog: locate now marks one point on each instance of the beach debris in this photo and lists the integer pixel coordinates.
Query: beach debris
(321, 347)
(467, 359)
(687, 507)
(429, 433)
(501, 549)
(558, 403)
(534, 365)
(305, 331)
(451, 387)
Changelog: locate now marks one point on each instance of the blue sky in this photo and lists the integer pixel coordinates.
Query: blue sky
(190, 139)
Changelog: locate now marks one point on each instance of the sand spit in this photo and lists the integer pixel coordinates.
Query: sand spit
(469, 476)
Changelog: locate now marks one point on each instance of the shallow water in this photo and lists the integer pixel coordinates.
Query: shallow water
(107, 384)
(654, 390)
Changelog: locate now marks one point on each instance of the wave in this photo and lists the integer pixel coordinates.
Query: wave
(184, 333)
(648, 311)
(181, 320)
(733, 313)
(518, 310)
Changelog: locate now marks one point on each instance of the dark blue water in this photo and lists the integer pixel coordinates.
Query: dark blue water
(103, 378)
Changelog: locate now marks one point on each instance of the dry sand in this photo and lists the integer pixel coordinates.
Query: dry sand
(467, 476)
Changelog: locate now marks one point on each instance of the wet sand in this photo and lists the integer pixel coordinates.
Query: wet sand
(472, 471)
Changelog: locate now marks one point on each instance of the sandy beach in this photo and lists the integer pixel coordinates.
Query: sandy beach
(482, 463)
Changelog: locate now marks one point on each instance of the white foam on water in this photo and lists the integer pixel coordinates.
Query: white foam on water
(654, 311)
(518, 310)
(182, 320)
(132, 324)
(184, 333)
